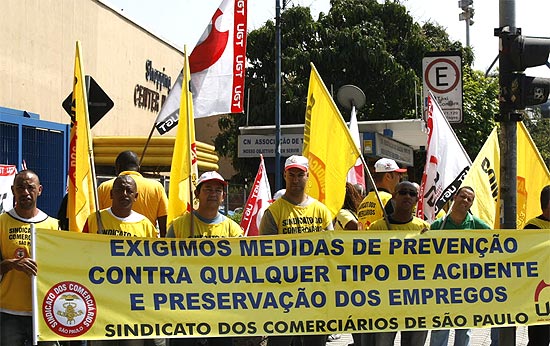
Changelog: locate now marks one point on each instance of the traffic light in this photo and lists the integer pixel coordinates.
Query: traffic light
(517, 53)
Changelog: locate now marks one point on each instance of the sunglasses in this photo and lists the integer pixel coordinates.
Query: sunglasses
(410, 193)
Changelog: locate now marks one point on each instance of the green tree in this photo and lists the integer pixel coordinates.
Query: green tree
(375, 46)
(539, 129)
(480, 105)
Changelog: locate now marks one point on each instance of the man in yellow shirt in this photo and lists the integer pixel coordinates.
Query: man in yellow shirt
(296, 212)
(386, 176)
(405, 197)
(205, 222)
(120, 219)
(151, 202)
(16, 265)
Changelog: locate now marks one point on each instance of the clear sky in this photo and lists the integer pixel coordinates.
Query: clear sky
(183, 21)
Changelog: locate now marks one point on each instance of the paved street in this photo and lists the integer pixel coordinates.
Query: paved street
(480, 337)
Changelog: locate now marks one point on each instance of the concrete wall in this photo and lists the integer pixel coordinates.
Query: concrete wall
(37, 60)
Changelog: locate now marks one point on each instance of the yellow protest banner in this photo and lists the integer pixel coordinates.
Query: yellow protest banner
(318, 283)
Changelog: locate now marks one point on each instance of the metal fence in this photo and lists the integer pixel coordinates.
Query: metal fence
(42, 146)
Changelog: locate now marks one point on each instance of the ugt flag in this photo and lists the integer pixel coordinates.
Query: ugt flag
(257, 202)
(217, 66)
(446, 164)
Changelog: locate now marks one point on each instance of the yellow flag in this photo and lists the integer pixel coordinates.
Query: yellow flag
(484, 178)
(81, 201)
(184, 170)
(532, 176)
(328, 146)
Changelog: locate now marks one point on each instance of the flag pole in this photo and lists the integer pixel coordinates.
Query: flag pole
(353, 95)
(91, 154)
(34, 282)
(146, 144)
(371, 181)
(187, 80)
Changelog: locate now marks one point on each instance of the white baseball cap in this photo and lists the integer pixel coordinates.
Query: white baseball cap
(387, 165)
(297, 161)
(211, 176)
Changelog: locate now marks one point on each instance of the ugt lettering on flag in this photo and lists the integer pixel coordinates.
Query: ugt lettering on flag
(217, 66)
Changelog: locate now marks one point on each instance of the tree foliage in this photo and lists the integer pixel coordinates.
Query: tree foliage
(539, 129)
(479, 105)
(375, 46)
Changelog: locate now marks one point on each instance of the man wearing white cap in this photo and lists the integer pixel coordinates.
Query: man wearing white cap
(296, 212)
(208, 222)
(387, 175)
(205, 222)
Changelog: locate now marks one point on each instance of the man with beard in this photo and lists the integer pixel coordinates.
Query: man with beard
(17, 266)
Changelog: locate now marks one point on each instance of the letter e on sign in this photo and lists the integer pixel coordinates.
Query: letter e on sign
(442, 76)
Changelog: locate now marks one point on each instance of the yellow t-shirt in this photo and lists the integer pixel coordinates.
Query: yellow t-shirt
(342, 218)
(135, 225)
(219, 227)
(370, 210)
(15, 242)
(416, 224)
(537, 222)
(283, 217)
(151, 202)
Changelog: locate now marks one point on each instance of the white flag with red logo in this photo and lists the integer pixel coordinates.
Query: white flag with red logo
(257, 202)
(446, 164)
(356, 174)
(217, 68)
(7, 174)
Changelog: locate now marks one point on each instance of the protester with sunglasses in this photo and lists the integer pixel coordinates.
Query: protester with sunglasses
(405, 198)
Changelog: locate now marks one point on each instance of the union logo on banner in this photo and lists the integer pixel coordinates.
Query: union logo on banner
(69, 309)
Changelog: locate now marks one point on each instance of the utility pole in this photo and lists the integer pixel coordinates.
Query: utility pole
(278, 95)
(517, 91)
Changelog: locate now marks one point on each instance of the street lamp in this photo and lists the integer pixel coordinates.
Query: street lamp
(467, 15)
